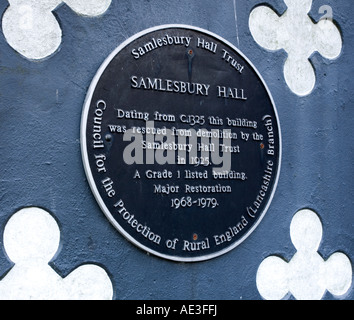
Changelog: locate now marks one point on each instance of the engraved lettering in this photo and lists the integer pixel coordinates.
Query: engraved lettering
(167, 85)
(232, 61)
(207, 45)
(156, 43)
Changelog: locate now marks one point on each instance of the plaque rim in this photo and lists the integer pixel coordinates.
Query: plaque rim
(84, 152)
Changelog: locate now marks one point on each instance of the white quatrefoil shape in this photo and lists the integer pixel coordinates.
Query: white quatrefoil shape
(307, 276)
(31, 28)
(300, 37)
(31, 239)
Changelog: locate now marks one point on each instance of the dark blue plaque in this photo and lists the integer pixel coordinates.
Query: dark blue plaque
(181, 143)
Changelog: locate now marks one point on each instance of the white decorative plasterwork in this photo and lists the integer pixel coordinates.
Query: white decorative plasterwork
(307, 276)
(31, 28)
(31, 239)
(300, 37)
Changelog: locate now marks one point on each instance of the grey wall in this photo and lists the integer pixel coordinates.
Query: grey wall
(40, 159)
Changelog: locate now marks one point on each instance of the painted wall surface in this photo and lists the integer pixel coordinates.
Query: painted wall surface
(44, 78)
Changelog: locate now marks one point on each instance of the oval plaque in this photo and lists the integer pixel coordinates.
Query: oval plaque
(181, 143)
